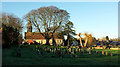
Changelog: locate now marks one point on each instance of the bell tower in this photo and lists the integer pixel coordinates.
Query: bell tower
(29, 26)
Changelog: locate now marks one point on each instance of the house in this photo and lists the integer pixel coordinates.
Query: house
(36, 36)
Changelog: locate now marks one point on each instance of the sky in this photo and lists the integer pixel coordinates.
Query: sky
(98, 18)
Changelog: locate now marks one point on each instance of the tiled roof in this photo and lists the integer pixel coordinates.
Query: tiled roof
(37, 35)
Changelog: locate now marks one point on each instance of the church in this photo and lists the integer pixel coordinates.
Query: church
(36, 36)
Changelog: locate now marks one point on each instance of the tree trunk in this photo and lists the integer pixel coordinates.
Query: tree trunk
(86, 42)
(81, 42)
(53, 42)
(68, 43)
(68, 40)
(47, 41)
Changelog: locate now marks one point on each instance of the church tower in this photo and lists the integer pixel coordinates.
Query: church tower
(29, 26)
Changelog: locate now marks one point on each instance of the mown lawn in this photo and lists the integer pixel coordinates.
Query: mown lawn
(30, 57)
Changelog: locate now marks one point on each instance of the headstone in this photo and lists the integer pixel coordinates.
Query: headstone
(102, 52)
(89, 52)
(76, 49)
(50, 50)
(69, 49)
(106, 53)
(36, 46)
(39, 52)
(61, 55)
(111, 54)
(81, 53)
(54, 50)
(92, 52)
(97, 52)
(19, 52)
(79, 50)
(76, 56)
(72, 52)
(44, 49)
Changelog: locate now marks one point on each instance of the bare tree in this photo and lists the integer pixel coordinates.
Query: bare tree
(47, 20)
(80, 39)
(86, 38)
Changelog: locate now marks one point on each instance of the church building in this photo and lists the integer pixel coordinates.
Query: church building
(36, 36)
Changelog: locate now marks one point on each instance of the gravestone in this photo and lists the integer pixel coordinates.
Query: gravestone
(102, 52)
(106, 53)
(92, 52)
(89, 52)
(61, 54)
(76, 49)
(111, 54)
(36, 46)
(54, 50)
(97, 52)
(50, 49)
(76, 56)
(81, 53)
(79, 49)
(19, 52)
(38, 52)
(70, 50)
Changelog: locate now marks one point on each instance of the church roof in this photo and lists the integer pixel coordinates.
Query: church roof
(37, 35)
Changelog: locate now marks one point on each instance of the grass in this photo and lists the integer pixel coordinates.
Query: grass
(30, 57)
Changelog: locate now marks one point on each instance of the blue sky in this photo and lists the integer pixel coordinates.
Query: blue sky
(98, 18)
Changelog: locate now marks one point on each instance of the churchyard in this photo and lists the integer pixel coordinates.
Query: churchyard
(58, 55)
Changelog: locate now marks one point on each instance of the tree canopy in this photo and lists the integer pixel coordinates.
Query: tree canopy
(11, 28)
(47, 20)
